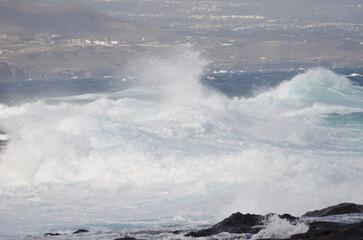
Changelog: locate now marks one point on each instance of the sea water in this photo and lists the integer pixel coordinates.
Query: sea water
(167, 144)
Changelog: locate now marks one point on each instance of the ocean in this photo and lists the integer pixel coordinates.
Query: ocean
(167, 145)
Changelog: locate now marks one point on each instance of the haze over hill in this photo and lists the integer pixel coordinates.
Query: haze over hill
(67, 20)
(303, 10)
(63, 41)
(93, 38)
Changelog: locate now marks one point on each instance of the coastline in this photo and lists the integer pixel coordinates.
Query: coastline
(342, 221)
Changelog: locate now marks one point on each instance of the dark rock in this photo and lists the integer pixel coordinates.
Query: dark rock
(289, 218)
(81, 231)
(52, 234)
(273, 239)
(343, 208)
(236, 223)
(332, 231)
(329, 231)
(126, 238)
(285, 216)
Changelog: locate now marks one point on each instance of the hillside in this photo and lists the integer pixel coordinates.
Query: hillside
(64, 41)
(68, 20)
(70, 40)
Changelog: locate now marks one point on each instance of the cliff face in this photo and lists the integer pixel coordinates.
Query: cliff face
(5, 72)
(65, 63)
(44, 42)
(18, 17)
(17, 72)
(10, 72)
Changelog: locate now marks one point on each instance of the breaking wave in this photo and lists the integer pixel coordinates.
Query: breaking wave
(189, 155)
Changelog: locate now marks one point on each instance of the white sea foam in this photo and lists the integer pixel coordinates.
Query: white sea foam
(191, 157)
(280, 228)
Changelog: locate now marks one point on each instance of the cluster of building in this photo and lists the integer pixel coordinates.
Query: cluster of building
(106, 42)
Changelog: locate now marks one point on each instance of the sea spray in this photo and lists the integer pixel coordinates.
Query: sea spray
(175, 74)
(188, 156)
(278, 228)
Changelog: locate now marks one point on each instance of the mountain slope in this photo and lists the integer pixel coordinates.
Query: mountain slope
(68, 20)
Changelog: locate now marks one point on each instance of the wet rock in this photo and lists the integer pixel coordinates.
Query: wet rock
(240, 223)
(289, 218)
(273, 239)
(343, 208)
(126, 238)
(52, 234)
(81, 231)
(236, 223)
(332, 231)
(286, 216)
(329, 231)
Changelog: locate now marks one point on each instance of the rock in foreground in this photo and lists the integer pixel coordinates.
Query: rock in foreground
(239, 223)
(343, 208)
(332, 231)
(318, 230)
(81, 231)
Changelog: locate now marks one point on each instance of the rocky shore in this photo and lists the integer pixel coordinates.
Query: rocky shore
(331, 223)
(318, 228)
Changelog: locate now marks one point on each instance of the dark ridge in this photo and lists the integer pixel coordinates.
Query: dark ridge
(81, 231)
(240, 223)
(67, 20)
(52, 234)
(126, 238)
(318, 230)
(343, 208)
(329, 231)
(236, 223)
(332, 231)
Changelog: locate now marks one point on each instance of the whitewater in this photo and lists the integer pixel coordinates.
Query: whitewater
(168, 149)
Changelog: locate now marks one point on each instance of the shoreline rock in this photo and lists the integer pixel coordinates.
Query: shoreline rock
(319, 227)
(342, 208)
(81, 231)
(252, 224)
(332, 231)
(236, 223)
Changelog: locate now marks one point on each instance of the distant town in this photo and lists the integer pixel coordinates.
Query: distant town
(233, 35)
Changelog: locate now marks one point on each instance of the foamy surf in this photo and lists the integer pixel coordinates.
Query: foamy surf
(186, 157)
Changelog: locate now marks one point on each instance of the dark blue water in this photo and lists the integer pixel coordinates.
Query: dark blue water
(246, 84)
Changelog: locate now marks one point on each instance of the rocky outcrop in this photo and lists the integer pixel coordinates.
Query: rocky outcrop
(318, 230)
(81, 231)
(329, 231)
(236, 223)
(239, 223)
(52, 234)
(332, 231)
(343, 208)
(126, 238)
